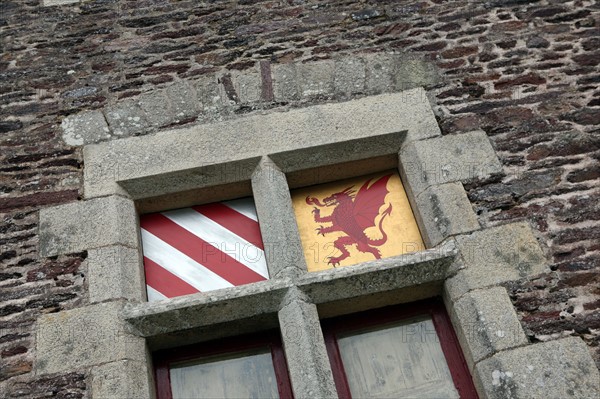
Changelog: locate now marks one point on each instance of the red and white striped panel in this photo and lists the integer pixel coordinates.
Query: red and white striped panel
(202, 248)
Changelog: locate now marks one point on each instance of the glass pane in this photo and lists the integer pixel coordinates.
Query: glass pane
(397, 361)
(245, 375)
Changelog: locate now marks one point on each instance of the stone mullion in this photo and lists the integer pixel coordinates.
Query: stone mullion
(304, 345)
(278, 226)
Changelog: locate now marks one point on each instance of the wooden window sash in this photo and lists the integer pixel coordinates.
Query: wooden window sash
(433, 308)
(271, 340)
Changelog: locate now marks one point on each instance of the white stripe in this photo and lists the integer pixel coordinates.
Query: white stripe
(154, 295)
(181, 265)
(222, 239)
(245, 206)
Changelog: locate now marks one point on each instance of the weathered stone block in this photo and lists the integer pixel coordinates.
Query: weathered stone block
(184, 100)
(115, 272)
(247, 85)
(126, 118)
(349, 76)
(464, 157)
(212, 98)
(496, 255)
(551, 370)
(157, 108)
(316, 79)
(88, 224)
(410, 72)
(379, 74)
(285, 82)
(443, 211)
(83, 337)
(121, 379)
(310, 371)
(485, 322)
(85, 128)
(423, 124)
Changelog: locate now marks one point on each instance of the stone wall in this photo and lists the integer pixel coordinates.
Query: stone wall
(526, 72)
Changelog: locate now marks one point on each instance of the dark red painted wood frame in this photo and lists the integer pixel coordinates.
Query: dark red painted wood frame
(443, 327)
(265, 340)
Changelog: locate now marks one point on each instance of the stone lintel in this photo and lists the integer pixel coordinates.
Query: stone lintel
(135, 158)
(232, 328)
(335, 153)
(202, 176)
(341, 171)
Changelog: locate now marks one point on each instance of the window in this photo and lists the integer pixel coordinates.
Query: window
(202, 248)
(251, 366)
(406, 351)
(355, 220)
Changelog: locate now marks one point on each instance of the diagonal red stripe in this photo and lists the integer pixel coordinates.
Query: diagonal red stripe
(201, 251)
(164, 281)
(233, 221)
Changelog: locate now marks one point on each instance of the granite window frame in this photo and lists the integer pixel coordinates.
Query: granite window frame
(266, 155)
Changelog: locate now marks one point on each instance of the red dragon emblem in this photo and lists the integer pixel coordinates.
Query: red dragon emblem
(354, 212)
